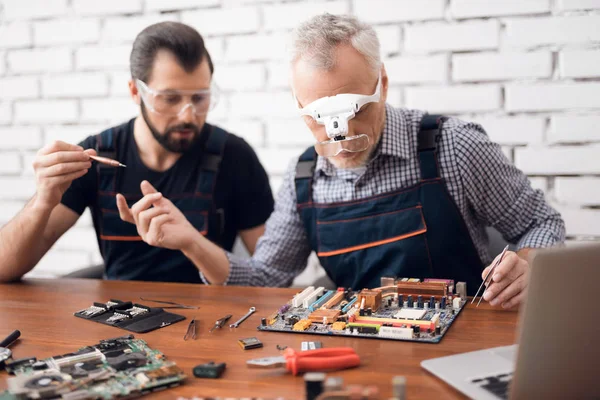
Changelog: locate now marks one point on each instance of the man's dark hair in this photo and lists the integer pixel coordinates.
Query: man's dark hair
(183, 41)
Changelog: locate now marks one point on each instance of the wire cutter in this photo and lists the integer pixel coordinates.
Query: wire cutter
(310, 361)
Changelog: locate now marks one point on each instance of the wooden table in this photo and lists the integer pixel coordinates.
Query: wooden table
(43, 311)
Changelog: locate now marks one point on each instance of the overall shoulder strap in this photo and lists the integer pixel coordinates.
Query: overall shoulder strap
(430, 133)
(304, 175)
(211, 159)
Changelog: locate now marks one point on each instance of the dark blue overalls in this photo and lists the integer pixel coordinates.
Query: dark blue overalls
(120, 244)
(415, 232)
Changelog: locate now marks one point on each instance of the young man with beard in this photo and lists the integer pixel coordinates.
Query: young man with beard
(183, 176)
(386, 191)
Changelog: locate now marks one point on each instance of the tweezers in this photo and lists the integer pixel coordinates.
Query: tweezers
(489, 274)
(174, 305)
(191, 330)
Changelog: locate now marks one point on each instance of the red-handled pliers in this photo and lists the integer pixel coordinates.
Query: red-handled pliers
(311, 360)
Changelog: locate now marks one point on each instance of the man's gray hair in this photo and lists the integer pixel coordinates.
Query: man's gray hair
(315, 40)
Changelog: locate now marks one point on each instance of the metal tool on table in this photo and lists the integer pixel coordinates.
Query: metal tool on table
(5, 352)
(220, 322)
(244, 317)
(191, 330)
(173, 304)
(489, 274)
(296, 362)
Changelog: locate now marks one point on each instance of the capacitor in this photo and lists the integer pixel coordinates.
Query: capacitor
(361, 312)
(410, 300)
(426, 305)
(263, 321)
(432, 300)
(443, 304)
(438, 330)
(369, 311)
(417, 330)
(400, 300)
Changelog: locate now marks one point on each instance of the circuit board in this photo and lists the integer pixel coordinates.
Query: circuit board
(401, 309)
(122, 367)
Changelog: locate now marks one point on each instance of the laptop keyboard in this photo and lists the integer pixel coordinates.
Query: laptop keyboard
(495, 384)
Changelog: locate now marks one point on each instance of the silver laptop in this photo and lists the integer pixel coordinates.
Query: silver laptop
(558, 356)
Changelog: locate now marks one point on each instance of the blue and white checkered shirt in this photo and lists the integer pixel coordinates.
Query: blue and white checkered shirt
(487, 188)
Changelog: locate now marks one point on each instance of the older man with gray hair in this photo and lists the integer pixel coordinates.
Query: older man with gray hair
(386, 191)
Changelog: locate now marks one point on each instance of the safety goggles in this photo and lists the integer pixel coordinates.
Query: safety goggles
(334, 112)
(176, 102)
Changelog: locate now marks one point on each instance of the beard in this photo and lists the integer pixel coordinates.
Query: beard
(166, 138)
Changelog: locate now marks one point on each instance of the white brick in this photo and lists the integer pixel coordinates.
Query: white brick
(223, 21)
(8, 209)
(288, 16)
(262, 104)
(81, 84)
(19, 87)
(570, 5)
(579, 191)
(106, 7)
(465, 98)
(19, 9)
(390, 39)
(276, 161)
(173, 5)
(580, 222)
(59, 262)
(2, 62)
(94, 57)
(501, 66)
(291, 132)
(221, 111)
(579, 63)
(256, 47)
(20, 137)
(486, 8)
(562, 160)
(10, 163)
(78, 239)
(513, 130)
(508, 152)
(532, 32)
(279, 74)
(552, 96)
(250, 131)
(574, 129)
(215, 47)
(275, 182)
(5, 111)
(417, 69)
(539, 183)
(381, 11)
(66, 31)
(440, 36)
(395, 97)
(241, 77)
(15, 34)
(108, 110)
(54, 111)
(119, 83)
(72, 133)
(20, 188)
(46, 60)
(125, 29)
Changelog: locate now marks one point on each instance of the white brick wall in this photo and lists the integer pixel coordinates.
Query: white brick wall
(527, 70)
